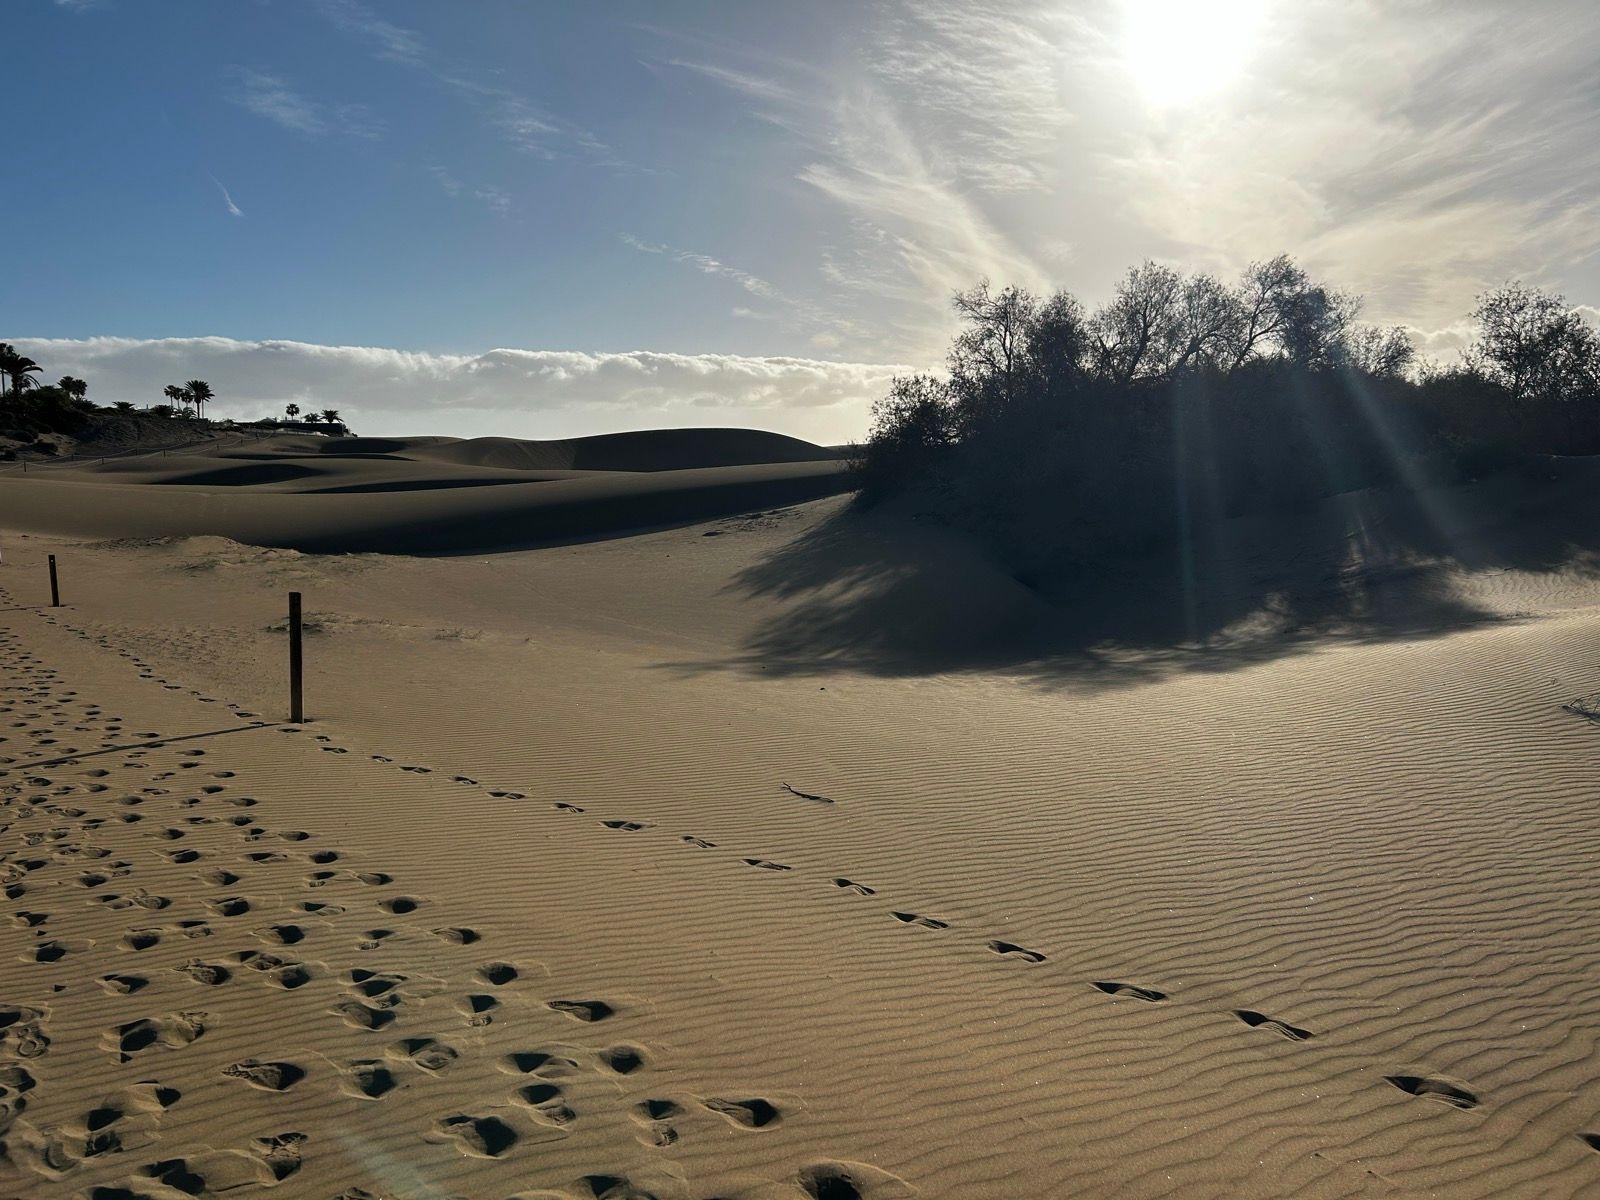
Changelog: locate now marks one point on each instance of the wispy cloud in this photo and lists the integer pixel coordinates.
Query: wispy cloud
(707, 265)
(495, 199)
(824, 329)
(80, 5)
(518, 119)
(271, 97)
(233, 209)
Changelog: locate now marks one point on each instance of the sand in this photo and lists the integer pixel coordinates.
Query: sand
(795, 852)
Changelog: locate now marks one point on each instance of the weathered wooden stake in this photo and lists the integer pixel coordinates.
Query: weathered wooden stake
(55, 589)
(297, 712)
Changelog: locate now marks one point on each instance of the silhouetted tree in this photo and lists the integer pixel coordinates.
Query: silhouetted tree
(331, 415)
(200, 394)
(1535, 345)
(291, 411)
(76, 389)
(17, 369)
(179, 396)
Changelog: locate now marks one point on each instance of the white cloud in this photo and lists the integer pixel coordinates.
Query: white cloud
(233, 209)
(707, 265)
(527, 392)
(271, 97)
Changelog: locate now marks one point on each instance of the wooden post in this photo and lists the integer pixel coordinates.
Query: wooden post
(297, 712)
(55, 589)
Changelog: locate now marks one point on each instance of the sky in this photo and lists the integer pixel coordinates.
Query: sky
(543, 219)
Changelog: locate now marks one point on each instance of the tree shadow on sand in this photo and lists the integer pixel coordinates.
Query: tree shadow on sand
(886, 595)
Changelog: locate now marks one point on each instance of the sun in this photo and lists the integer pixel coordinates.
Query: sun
(1179, 51)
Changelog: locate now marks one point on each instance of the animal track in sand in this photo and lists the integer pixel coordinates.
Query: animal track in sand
(1012, 950)
(921, 922)
(1282, 1028)
(1432, 1088)
(1113, 988)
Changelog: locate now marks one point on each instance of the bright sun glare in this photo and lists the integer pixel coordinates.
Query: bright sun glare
(1181, 50)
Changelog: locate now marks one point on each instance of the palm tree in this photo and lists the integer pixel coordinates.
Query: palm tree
(17, 368)
(179, 396)
(75, 388)
(200, 392)
(331, 415)
(291, 411)
(313, 417)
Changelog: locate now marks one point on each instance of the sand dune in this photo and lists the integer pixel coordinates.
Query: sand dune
(423, 495)
(696, 863)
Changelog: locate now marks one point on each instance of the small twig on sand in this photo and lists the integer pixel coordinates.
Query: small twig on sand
(805, 795)
(1587, 707)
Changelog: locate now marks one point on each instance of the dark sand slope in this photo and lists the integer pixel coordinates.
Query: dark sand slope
(424, 495)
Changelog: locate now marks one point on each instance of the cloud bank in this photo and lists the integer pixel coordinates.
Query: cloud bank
(527, 393)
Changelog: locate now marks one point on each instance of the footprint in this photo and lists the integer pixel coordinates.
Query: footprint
(426, 1053)
(361, 1016)
(538, 1062)
(174, 1030)
(210, 974)
(546, 1102)
(480, 1137)
(583, 1010)
(841, 1181)
(910, 918)
(122, 985)
(851, 885)
(497, 973)
(748, 1114)
(765, 864)
(399, 905)
(1012, 950)
(368, 1077)
(624, 1059)
(1282, 1028)
(699, 843)
(626, 826)
(1431, 1088)
(457, 935)
(1112, 988)
(268, 1076)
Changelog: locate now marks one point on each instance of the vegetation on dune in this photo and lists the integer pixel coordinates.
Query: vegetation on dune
(30, 411)
(1060, 434)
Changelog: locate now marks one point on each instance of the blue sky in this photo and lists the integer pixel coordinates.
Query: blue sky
(737, 213)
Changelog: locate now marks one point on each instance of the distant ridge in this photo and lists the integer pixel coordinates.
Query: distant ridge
(641, 450)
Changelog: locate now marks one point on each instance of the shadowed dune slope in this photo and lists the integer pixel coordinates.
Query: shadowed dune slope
(424, 495)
